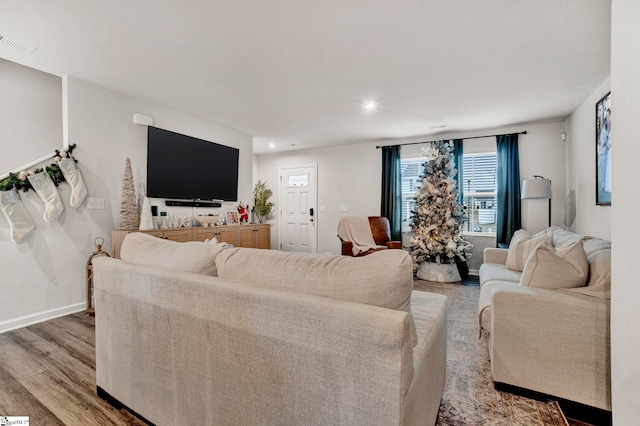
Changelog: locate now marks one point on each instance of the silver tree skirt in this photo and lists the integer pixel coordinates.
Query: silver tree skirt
(439, 272)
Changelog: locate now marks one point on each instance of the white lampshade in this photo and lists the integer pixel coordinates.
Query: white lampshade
(536, 189)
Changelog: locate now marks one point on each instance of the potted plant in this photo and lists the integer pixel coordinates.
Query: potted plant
(263, 208)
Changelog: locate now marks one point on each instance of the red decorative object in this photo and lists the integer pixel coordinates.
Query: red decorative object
(243, 212)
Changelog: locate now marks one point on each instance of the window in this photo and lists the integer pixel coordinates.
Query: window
(298, 180)
(411, 168)
(479, 189)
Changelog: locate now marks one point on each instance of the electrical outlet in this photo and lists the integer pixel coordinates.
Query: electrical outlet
(95, 203)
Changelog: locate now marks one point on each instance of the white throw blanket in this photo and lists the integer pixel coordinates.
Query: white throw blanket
(357, 230)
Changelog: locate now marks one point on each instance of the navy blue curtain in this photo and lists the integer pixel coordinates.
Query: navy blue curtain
(391, 204)
(509, 220)
(457, 158)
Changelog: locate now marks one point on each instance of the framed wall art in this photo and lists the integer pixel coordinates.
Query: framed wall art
(232, 217)
(603, 151)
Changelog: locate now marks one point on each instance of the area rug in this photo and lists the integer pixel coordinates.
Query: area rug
(470, 398)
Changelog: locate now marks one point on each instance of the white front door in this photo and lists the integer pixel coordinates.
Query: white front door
(298, 213)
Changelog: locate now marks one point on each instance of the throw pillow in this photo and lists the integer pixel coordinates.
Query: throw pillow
(551, 269)
(192, 256)
(383, 278)
(599, 284)
(522, 245)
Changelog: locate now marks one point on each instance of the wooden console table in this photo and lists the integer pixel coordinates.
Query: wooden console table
(255, 235)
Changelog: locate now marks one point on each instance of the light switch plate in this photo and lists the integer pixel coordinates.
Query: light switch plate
(323, 208)
(344, 208)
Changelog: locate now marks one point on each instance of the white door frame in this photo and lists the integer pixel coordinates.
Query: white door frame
(315, 203)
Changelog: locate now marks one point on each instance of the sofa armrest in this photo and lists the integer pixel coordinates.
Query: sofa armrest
(393, 244)
(494, 255)
(552, 342)
(347, 248)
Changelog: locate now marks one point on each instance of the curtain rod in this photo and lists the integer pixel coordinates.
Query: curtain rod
(524, 132)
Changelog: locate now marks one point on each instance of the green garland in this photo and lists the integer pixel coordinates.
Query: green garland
(14, 181)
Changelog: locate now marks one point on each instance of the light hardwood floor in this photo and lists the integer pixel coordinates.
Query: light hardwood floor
(48, 372)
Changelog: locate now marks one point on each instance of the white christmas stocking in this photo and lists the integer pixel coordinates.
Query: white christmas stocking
(72, 175)
(16, 215)
(48, 193)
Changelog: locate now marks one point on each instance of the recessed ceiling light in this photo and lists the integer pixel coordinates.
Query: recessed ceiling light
(272, 145)
(370, 106)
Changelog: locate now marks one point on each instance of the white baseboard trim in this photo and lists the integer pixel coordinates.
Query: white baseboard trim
(28, 320)
(474, 272)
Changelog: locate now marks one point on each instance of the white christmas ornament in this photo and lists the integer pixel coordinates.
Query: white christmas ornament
(430, 152)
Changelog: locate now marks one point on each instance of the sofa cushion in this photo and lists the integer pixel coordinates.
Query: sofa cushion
(192, 256)
(563, 238)
(496, 272)
(599, 257)
(554, 269)
(383, 278)
(484, 302)
(595, 246)
(522, 245)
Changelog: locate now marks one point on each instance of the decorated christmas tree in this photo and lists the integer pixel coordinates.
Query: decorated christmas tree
(437, 218)
(129, 208)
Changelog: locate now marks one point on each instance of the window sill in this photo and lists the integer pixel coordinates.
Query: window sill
(479, 234)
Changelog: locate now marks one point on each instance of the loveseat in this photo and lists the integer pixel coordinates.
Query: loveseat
(198, 333)
(544, 306)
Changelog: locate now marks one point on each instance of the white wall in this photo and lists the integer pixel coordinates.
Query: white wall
(31, 119)
(45, 276)
(625, 295)
(348, 175)
(581, 174)
(542, 152)
(351, 175)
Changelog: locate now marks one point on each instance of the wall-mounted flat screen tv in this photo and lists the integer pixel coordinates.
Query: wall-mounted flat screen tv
(187, 168)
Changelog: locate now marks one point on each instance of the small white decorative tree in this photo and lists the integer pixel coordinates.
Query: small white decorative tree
(129, 208)
(437, 244)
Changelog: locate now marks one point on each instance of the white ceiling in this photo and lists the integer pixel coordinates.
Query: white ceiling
(297, 72)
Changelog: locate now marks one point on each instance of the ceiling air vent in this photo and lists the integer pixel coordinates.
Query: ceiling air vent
(23, 47)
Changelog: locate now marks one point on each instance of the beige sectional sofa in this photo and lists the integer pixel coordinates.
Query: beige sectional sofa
(549, 333)
(266, 337)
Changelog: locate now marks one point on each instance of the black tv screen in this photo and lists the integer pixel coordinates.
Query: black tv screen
(188, 168)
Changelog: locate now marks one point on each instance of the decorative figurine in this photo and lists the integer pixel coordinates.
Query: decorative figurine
(243, 212)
